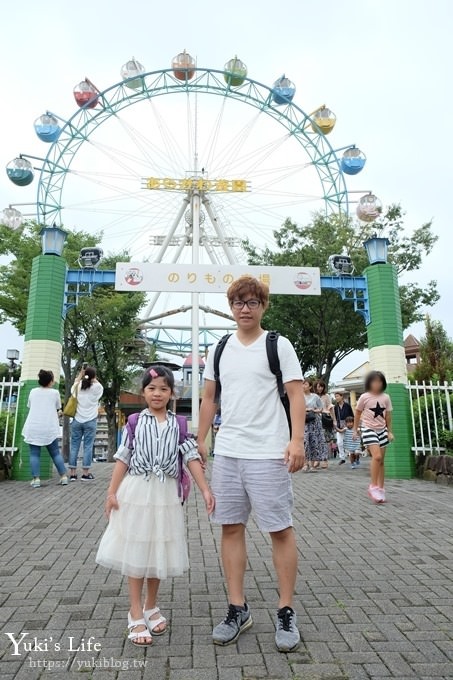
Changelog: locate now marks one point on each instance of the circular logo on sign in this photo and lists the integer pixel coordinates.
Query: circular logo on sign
(133, 276)
(303, 280)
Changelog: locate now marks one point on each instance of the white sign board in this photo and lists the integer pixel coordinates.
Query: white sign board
(207, 278)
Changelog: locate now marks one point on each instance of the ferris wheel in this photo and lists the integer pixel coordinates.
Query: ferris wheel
(187, 177)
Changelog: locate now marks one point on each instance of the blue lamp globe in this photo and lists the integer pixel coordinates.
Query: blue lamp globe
(52, 240)
(377, 249)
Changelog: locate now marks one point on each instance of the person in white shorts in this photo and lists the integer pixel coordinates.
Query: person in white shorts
(255, 457)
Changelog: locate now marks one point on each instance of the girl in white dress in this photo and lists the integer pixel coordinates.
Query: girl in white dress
(145, 537)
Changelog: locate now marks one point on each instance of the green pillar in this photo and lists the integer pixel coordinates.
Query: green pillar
(42, 348)
(386, 348)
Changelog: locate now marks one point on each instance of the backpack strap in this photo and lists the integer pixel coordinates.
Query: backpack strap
(183, 428)
(130, 427)
(274, 365)
(274, 360)
(217, 354)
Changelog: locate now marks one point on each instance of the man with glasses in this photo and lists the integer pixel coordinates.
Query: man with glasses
(255, 457)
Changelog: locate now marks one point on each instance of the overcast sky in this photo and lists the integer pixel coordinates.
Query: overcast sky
(383, 66)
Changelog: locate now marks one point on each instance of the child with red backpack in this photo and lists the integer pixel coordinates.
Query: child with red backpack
(145, 537)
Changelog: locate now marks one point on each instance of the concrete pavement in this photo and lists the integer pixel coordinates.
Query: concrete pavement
(374, 595)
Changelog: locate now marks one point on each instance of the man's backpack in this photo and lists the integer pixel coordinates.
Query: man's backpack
(184, 479)
(274, 365)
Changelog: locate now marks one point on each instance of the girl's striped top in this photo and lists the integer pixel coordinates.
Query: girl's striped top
(156, 447)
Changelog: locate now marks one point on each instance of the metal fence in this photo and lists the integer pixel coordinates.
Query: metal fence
(9, 397)
(431, 409)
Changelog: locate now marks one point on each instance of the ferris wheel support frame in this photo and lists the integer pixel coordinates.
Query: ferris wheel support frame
(195, 392)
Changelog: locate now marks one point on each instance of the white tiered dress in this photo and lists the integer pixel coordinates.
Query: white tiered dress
(146, 536)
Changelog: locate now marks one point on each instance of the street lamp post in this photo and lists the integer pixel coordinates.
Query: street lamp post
(43, 335)
(386, 348)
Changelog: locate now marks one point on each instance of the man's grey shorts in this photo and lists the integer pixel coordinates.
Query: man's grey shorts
(264, 487)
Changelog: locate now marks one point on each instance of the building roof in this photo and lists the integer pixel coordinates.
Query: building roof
(188, 361)
(411, 344)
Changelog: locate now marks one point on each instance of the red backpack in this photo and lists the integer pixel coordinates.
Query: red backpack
(184, 478)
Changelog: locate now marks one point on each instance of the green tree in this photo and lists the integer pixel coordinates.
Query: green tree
(436, 354)
(324, 330)
(7, 374)
(101, 329)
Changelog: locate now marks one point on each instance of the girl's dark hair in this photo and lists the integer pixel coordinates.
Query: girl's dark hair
(375, 375)
(89, 376)
(158, 372)
(45, 377)
(323, 385)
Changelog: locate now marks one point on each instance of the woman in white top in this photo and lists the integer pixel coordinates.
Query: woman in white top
(87, 390)
(42, 427)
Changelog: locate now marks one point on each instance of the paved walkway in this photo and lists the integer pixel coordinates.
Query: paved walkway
(374, 596)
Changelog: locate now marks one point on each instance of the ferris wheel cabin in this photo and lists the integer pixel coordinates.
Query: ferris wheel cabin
(235, 72)
(47, 128)
(183, 66)
(86, 95)
(323, 121)
(131, 72)
(353, 161)
(283, 91)
(20, 172)
(369, 208)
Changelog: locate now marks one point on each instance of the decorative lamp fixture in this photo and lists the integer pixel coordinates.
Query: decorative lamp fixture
(377, 249)
(52, 240)
(12, 356)
(90, 257)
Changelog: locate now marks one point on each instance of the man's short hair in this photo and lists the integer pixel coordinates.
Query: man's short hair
(248, 285)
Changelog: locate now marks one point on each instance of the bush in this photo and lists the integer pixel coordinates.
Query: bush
(446, 440)
(3, 424)
(6, 428)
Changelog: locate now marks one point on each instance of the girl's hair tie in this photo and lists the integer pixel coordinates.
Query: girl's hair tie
(87, 377)
(153, 373)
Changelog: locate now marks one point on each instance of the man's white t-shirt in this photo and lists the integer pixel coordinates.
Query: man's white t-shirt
(254, 423)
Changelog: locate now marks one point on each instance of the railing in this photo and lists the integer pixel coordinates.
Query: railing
(431, 409)
(9, 397)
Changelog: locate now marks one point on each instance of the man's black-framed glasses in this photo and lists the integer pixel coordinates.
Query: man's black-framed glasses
(251, 304)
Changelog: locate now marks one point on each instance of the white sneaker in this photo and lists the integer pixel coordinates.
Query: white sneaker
(35, 483)
(64, 480)
(382, 494)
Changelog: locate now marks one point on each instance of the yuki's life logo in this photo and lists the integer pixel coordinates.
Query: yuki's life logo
(24, 644)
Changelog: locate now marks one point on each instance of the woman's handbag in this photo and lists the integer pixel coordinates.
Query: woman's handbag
(310, 416)
(71, 407)
(327, 421)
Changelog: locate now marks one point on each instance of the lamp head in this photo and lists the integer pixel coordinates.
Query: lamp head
(12, 354)
(52, 240)
(377, 249)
